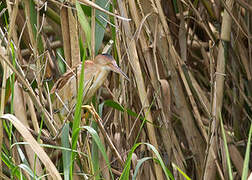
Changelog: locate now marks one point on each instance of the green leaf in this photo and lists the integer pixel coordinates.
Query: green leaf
(114, 105)
(126, 170)
(247, 156)
(95, 153)
(139, 163)
(66, 154)
(12, 167)
(101, 23)
(100, 146)
(230, 173)
(167, 173)
(77, 117)
(33, 19)
(28, 170)
(84, 24)
(119, 107)
(184, 174)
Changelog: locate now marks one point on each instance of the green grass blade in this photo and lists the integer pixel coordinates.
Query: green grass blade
(101, 24)
(22, 156)
(100, 146)
(181, 172)
(66, 154)
(28, 170)
(119, 107)
(247, 156)
(126, 170)
(84, 24)
(77, 117)
(11, 166)
(52, 147)
(114, 105)
(230, 173)
(95, 154)
(95, 148)
(167, 174)
(33, 18)
(139, 163)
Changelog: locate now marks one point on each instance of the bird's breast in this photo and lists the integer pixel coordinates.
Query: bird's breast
(94, 83)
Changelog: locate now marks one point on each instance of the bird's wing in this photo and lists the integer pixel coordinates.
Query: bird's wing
(68, 76)
(63, 80)
(67, 85)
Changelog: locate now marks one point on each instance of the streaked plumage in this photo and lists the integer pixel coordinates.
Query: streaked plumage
(95, 73)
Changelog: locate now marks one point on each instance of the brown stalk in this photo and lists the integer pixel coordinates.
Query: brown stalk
(20, 112)
(201, 22)
(94, 6)
(244, 59)
(65, 35)
(244, 4)
(104, 133)
(195, 141)
(161, 87)
(177, 62)
(191, 98)
(5, 68)
(134, 61)
(13, 15)
(210, 170)
(205, 104)
(74, 38)
(34, 145)
(93, 32)
(34, 98)
(182, 33)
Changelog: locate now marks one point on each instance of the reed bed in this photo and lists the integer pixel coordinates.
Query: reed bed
(184, 114)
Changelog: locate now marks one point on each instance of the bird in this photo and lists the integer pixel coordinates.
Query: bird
(95, 73)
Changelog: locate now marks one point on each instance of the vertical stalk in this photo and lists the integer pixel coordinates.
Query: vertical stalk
(93, 33)
(210, 170)
(135, 64)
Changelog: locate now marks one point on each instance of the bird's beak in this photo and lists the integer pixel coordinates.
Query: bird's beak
(116, 69)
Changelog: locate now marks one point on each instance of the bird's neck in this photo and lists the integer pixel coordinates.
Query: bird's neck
(98, 80)
(101, 76)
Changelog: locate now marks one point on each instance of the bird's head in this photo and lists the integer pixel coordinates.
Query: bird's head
(108, 62)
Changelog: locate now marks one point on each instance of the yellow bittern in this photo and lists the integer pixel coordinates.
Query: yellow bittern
(95, 73)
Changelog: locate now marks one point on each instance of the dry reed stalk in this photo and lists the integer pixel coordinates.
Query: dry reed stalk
(134, 61)
(20, 112)
(74, 37)
(176, 76)
(65, 34)
(169, 55)
(5, 71)
(161, 87)
(34, 98)
(34, 145)
(210, 170)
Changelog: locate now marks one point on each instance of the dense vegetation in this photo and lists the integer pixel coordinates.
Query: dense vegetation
(185, 113)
